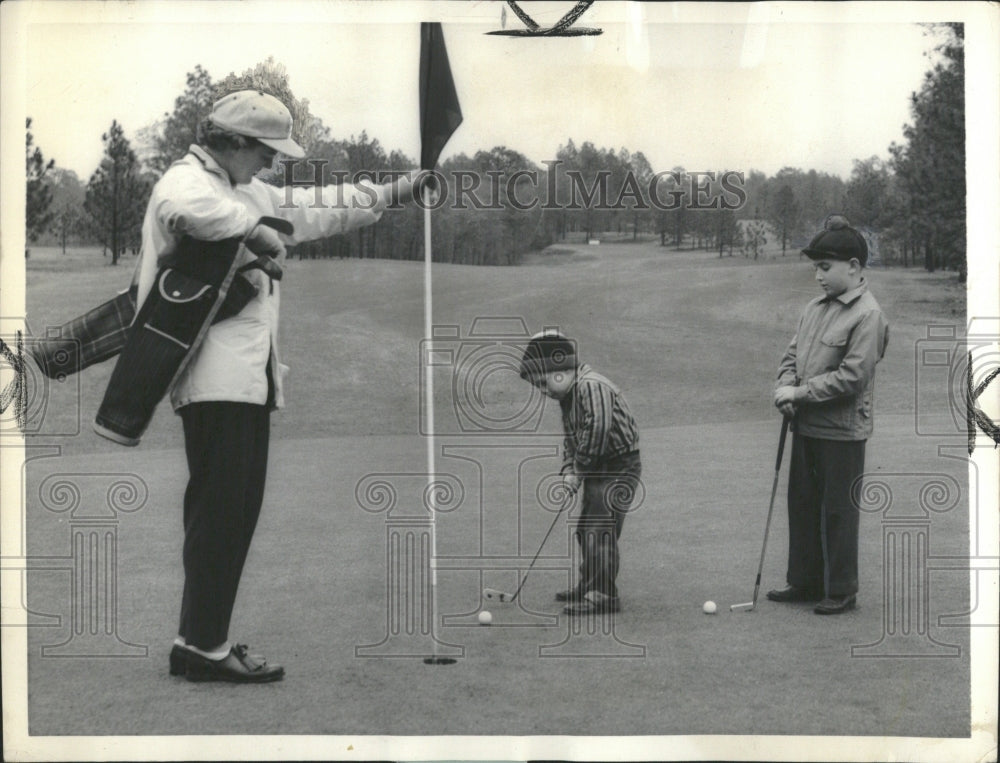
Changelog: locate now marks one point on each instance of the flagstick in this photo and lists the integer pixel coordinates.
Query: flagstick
(429, 408)
(439, 116)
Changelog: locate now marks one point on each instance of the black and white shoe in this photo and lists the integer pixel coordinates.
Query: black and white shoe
(836, 605)
(236, 667)
(594, 603)
(570, 594)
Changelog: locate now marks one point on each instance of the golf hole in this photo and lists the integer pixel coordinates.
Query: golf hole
(439, 661)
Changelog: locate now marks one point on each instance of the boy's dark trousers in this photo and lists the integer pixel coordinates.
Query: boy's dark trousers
(608, 492)
(823, 514)
(226, 445)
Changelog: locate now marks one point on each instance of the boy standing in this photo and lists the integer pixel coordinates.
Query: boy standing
(600, 454)
(825, 384)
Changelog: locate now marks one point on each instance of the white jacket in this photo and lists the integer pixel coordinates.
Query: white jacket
(195, 197)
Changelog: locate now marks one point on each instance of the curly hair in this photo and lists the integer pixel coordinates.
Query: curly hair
(210, 135)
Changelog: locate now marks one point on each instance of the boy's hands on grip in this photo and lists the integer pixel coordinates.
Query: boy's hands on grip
(787, 410)
(785, 399)
(572, 482)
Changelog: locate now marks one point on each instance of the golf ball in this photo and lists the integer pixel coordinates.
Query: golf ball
(485, 618)
(708, 607)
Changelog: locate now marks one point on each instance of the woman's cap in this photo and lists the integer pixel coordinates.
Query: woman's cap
(256, 114)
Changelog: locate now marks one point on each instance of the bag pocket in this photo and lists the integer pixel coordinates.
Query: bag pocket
(182, 305)
(180, 289)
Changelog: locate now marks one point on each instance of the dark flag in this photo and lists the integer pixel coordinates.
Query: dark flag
(440, 113)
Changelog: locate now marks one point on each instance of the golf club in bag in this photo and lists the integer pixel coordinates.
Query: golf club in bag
(492, 594)
(748, 606)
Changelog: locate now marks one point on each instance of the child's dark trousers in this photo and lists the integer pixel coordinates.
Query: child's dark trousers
(823, 482)
(608, 493)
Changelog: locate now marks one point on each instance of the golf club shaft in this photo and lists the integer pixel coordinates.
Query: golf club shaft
(541, 545)
(770, 509)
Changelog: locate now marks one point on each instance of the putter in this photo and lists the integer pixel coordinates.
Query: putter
(492, 594)
(750, 605)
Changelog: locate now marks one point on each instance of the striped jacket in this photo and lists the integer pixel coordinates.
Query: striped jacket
(597, 423)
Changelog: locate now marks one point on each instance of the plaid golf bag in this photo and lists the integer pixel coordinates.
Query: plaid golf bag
(94, 337)
(198, 284)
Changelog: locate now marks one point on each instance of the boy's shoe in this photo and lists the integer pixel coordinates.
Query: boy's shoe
(178, 660)
(570, 594)
(593, 603)
(835, 605)
(794, 593)
(237, 667)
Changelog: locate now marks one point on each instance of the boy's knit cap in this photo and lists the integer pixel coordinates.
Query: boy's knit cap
(838, 241)
(548, 350)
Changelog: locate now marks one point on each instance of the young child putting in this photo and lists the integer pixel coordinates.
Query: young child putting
(825, 385)
(600, 455)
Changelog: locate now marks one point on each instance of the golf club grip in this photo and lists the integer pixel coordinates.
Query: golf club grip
(785, 421)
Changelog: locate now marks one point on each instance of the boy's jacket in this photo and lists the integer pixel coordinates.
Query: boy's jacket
(833, 353)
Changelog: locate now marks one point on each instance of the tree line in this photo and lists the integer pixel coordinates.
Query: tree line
(911, 204)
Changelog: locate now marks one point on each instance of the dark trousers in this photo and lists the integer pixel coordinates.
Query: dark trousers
(226, 445)
(608, 492)
(823, 515)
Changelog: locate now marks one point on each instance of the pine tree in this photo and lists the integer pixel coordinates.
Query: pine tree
(783, 214)
(168, 139)
(117, 194)
(38, 203)
(930, 165)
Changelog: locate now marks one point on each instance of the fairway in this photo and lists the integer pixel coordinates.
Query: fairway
(694, 341)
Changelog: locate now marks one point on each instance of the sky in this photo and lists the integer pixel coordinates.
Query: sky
(734, 87)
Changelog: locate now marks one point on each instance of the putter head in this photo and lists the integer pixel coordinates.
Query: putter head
(746, 607)
(492, 594)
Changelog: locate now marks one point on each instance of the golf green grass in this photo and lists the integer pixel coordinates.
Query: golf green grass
(694, 341)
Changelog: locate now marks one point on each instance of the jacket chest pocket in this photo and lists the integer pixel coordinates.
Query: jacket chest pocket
(831, 348)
